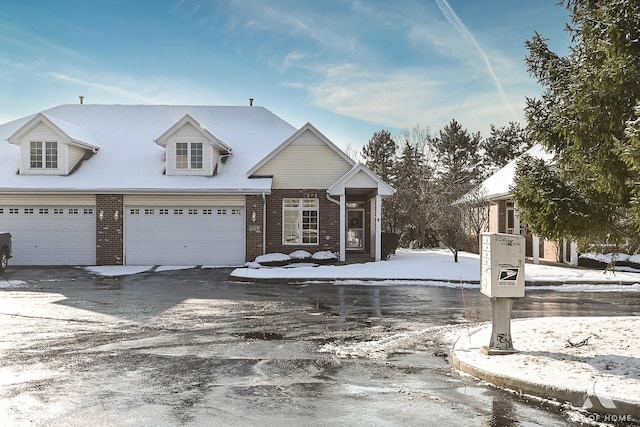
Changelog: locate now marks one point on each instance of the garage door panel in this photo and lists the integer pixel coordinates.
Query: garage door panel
(50, 235)
(184, 235)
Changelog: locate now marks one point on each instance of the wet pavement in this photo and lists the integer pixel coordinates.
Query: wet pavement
(191, 348)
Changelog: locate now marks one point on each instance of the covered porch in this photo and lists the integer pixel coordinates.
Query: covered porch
(360, 193)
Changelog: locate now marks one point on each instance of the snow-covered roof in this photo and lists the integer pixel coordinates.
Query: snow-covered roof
(77, 135)
(130, 161)
(499, 184)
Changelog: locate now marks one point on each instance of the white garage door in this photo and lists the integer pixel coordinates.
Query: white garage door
(51, 235)
(184, 235)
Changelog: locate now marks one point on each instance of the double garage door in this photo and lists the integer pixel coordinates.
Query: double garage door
(51, 234)
(184, 235)
(55, 234)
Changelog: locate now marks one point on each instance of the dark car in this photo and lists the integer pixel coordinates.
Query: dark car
(5, 250)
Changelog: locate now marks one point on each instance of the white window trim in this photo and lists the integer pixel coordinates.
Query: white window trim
(190, 149)
(45, 145)
(300, 209)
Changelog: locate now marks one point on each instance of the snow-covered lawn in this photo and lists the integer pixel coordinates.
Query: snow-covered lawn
(594, 355)
(428, 265)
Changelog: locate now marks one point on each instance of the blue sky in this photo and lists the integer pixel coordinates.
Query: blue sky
(350, 67)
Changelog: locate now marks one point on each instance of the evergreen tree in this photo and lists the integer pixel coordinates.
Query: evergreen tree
(503, 145)
(589, 96)
(380, 156)
(457, 158)
(457, 165)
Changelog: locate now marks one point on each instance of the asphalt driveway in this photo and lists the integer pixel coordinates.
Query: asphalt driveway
(192, 348)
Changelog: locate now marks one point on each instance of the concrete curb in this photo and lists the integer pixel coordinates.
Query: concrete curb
(576, 398)
(297, 280)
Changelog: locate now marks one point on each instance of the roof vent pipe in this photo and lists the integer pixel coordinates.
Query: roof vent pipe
(250, 102)
(81, 99)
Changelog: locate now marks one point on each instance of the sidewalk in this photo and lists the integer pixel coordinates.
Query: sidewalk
(591, 362)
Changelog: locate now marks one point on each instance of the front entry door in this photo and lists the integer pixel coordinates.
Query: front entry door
(355, 229)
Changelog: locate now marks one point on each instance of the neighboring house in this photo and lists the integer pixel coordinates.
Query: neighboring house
(183, 185)
(504, 216)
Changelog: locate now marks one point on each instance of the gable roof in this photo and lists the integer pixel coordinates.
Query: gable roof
(187, 119)
(498, 185)
(339, 188)
(307, 127)
(78, 136)
(130, 162)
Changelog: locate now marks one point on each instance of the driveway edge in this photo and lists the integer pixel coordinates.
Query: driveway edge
(576, 398)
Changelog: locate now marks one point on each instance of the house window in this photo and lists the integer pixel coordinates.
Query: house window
(44, 154)
(189, 155)
(300, 221)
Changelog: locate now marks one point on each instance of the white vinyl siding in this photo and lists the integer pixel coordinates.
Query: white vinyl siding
(66, 156)
(305, 163)
(199, 158)
(75, 154)
(51, 234)
(361, 180)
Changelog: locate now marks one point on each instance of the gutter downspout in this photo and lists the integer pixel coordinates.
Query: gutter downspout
(264, 224)
(337, 202)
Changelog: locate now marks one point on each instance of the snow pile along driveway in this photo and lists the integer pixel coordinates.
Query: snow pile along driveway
(590, 362)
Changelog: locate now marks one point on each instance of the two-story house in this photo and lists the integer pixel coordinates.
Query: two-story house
(181, 185)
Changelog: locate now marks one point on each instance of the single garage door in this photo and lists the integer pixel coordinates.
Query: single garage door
(184, 235)
(51, 235)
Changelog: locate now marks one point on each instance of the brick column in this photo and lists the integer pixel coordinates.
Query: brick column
(253, 227)
(109, 227)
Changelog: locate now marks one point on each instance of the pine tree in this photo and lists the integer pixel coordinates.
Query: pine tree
(503, 145)
(380, 156)
(457, 165)
(589, 97)
(457, 157)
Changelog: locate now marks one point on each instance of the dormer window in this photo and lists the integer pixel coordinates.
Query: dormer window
(44, 154)
(188, 155)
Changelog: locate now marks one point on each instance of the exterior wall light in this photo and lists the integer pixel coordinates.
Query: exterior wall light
(116, 214)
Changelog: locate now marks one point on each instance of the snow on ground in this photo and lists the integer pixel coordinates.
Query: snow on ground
(550, 354)
(117, 270)
(12, 283)
(429, 265)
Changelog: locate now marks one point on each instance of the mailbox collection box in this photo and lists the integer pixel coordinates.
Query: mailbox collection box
(502, 265)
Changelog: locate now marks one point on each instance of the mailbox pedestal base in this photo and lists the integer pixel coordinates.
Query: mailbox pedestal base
(500, 327)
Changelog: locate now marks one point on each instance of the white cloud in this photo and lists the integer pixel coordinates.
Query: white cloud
(405, 97)
(122, 88)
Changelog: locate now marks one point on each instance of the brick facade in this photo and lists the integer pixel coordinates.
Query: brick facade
(328, 222)
(253, 230)
(109, 227)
